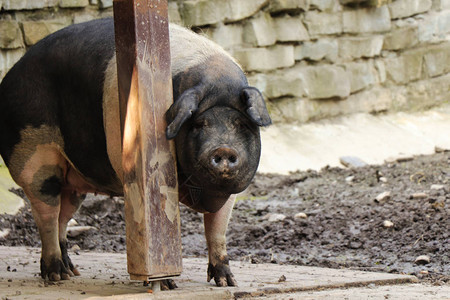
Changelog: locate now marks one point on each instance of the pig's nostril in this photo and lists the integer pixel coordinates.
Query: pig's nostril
(224, 160)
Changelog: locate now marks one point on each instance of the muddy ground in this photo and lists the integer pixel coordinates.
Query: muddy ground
(343, 227)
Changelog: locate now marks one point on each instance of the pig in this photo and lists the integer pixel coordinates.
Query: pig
(60, 139)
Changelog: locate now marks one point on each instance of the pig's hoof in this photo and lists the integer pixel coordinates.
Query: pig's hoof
(168, 284)
(222, 274)
(67, 261)
(55, 271)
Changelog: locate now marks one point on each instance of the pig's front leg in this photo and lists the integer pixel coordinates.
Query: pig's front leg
(215, 228)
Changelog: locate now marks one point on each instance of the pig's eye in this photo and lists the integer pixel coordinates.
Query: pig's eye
(200, 124)
(241, 124)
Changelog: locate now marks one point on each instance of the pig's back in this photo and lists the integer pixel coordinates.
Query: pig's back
(54, 94)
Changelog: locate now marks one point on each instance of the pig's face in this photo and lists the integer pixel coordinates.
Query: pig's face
(215, 121)
(219, 150)
(218, 143)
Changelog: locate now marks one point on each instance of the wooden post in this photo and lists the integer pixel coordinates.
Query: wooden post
(150, 179)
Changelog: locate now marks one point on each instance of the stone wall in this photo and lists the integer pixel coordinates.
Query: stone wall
(312, 59)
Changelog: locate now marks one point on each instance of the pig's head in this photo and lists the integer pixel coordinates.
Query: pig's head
(215, 121)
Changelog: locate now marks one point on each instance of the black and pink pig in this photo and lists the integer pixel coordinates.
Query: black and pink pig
(60, 139)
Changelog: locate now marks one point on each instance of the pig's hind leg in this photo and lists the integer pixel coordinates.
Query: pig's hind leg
(70, 202)
(39, 169)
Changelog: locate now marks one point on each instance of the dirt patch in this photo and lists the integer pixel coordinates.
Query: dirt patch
(343, 228)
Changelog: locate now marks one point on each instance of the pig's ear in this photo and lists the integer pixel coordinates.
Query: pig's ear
(256, 107)
(180, 111)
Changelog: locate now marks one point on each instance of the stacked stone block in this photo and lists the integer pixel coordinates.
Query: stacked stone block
(312, 59)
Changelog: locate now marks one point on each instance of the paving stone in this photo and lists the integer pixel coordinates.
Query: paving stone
(402, 292)
(109, 3)
(174, 14)
(96, 281)
(376, 3)
(239, 10)
(323, 5)
(352, 161)
(28, 4)
(8, 58)
(437, 60)
(434, 28)
(401, 38)
(362, 75)
(226, 36)
(381, 69)
(326, 81)
(443, 4)
(290, 29)
(36, 30)
(443, 22)
(407, 8)
(366, 20)
(85, 16)
(284, 5)
(346, 2)
(422, 94)
(321, 23)
(292, 110)
(10, 35)
(405, 68)
(204, 12)
(373, 100)
(301, 110)
(73, 3)
(318, 50)
(260, 30)
(289, 82)
(263, 59)
(356, 47)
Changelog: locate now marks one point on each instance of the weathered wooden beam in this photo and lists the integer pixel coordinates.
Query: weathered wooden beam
(150, 179)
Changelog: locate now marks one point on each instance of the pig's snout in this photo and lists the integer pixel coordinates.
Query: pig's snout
(224, 162)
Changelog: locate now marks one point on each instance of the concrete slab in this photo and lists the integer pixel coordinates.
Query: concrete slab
(290, 147)
(104, 275)
(397, 292)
